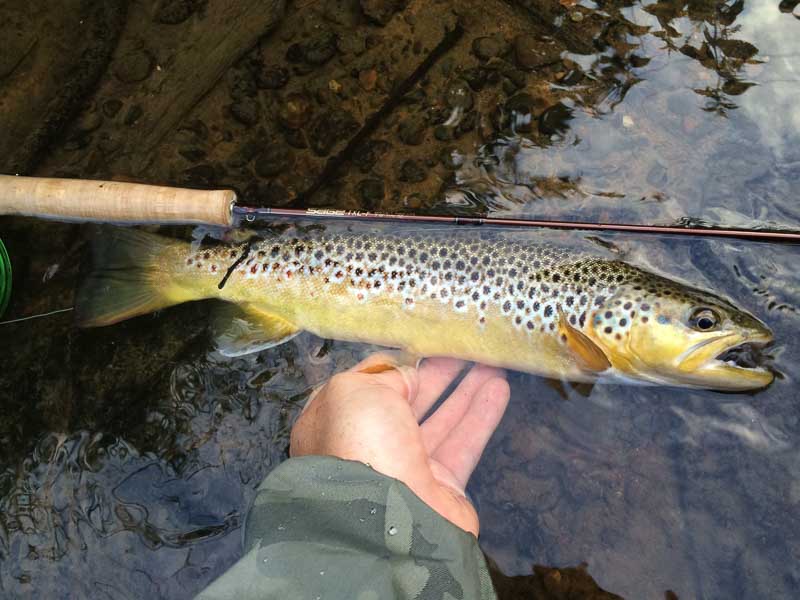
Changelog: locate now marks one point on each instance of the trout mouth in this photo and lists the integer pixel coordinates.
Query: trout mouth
(737, 364)
(747, 356)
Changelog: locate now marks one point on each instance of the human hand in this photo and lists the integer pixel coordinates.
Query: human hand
(371, 413)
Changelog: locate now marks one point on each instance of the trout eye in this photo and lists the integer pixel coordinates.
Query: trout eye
(704, 319)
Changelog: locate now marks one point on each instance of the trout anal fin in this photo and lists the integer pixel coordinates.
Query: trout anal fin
(241, 330)
(588, 354)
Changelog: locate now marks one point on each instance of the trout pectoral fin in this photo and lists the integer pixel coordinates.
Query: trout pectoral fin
(558, 386)
(563, 387)
(588, 354)
(240, 330)
(582, 389)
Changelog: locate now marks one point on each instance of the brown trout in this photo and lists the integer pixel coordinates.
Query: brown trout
(538, 308)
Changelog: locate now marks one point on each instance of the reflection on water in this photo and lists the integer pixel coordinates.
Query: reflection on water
(738, 420)
(695, 492)
(699, 119)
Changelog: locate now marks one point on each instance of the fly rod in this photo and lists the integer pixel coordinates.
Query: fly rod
(81, 200)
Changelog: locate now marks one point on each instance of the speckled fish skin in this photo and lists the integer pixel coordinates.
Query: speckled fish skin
(492, 300)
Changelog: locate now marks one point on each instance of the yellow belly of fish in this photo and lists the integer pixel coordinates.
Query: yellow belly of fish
(430, 328)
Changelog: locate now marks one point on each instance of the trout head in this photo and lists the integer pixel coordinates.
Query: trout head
(659, 331)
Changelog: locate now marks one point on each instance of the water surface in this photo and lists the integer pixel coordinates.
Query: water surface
(132, 474)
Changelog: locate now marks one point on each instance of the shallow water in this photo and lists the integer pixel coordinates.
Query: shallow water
(655, 488)
(129, 479)
(665, 142)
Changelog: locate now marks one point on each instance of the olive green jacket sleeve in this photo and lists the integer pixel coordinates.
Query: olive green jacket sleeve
(332, 529)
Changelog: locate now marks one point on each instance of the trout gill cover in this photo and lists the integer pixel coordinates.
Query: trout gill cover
(538, 308)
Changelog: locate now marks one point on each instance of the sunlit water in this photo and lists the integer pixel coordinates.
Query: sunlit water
(654, 488)
(666, 142)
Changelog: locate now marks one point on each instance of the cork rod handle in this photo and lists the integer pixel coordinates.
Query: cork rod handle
(113, 201)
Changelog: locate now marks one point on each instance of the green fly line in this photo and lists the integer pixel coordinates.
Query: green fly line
(5, 290)
(5, 278)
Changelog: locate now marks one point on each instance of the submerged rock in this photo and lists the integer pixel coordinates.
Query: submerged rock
(320, 49)
(459, 95)
(247, 111)
(342, 12)
(467, 123)
(354, 42)
(330, 128)
(192, 154)
(367, 79)
(272, 78)
(241, 84)
(244, 153)
(295, 111)
(489, 47)
(371, 191)
(443, 133)
(475, 78)
(296, 138)
(134, 66)
(531, 53)
(411, 130)
(787, 6)
(294, 53)
(366, 155)
(134, 113)
(112, 107)
(265, 193)
(200, 175)
(381, 11)
(274, 160)
(412, 171)
(555, 119)
(173, 12)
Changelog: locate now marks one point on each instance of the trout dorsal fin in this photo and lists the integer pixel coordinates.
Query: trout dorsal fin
(589, 354)
(243, 329)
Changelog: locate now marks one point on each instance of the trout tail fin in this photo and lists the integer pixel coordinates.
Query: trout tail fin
(128, 277)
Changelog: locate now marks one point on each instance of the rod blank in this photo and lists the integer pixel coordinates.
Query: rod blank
(251, 214)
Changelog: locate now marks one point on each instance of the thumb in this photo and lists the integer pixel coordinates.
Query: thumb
(395, 370)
